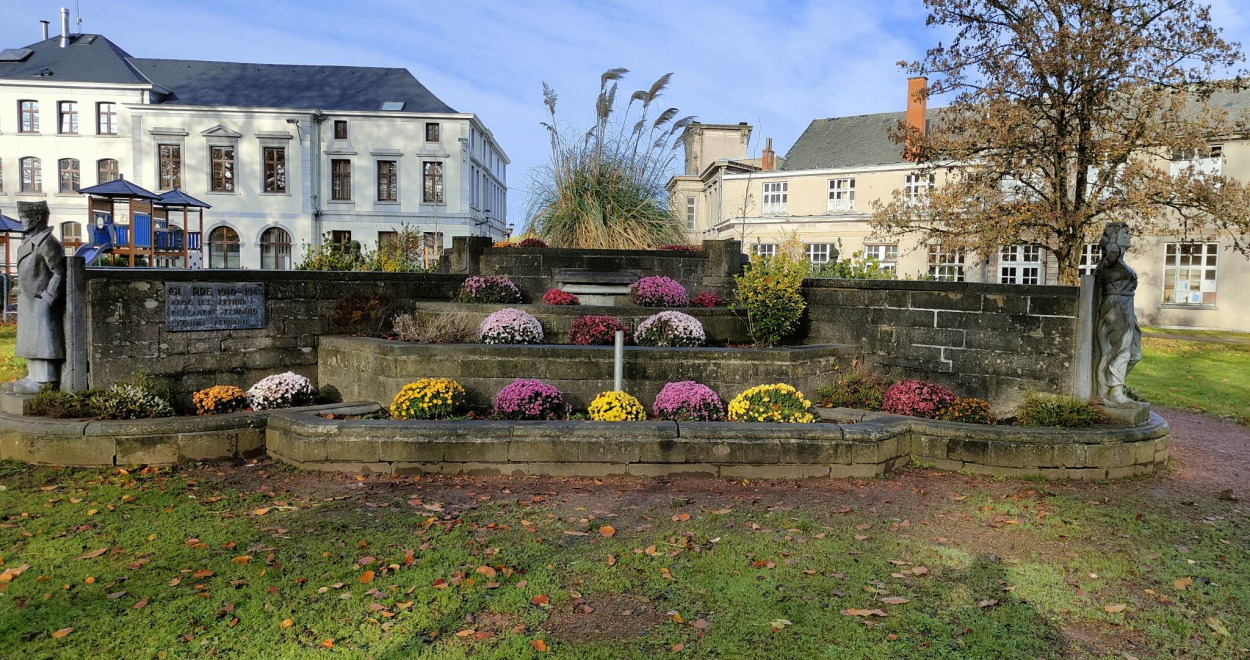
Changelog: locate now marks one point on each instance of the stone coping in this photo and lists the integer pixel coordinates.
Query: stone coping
(724, 449)
(395, 347)
(598, 252)
(227, 275)
(159, 441)
(954, 287)
(574, 310)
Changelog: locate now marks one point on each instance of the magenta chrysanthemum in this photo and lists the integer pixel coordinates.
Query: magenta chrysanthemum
(687, 401)
(658, 291)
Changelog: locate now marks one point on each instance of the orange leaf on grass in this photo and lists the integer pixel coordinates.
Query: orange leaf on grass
(366, 577)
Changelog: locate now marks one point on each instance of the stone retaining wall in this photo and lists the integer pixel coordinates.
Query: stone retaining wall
(127, 333)
(732, 450)
(720, 324)
(103, 443)
(357, 368)
(991, 341)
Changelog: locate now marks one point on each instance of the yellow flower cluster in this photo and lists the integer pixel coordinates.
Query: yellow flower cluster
(219, 400)
(617, 406)
(771, 403)
(428, 398)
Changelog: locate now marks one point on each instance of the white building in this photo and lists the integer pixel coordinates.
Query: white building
(284, 154)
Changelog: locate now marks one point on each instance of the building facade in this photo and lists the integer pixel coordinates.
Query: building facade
(824, 189)
(285, 154)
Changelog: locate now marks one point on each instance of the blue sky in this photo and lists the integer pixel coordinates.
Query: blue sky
(776, 65)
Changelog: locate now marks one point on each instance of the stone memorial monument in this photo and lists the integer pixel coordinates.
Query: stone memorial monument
(41, 300)
(1117, 335)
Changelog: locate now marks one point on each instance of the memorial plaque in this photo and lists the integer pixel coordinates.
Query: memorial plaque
(214, 306)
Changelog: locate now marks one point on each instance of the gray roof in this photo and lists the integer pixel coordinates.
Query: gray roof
(94, 59)
(847, 142)
(89, 58)
(288, 85)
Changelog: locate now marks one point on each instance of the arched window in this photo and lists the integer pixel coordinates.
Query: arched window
(275, 249)
(223, 248)
(32, 175)
(67, 170)
(106, 170)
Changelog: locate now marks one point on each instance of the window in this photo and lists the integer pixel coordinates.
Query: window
(690, 213)
(106, 170)
(223, 248)
(393, 105)
(1020, 264)
(946, 265)
(817, 253)
(775, 195)
(1091, 253)
(68, 175)
(886, 255)
(1189, 273)
(765, 250)
(340, 129)
(275, 249)
(28, 117)
(106, 118)
(388, 181)
(1207, 162)
(841, 195)
(1, 176)
(341, 180)
(71, 233)
(431, 132)
(917, 186)
(341, 238)
(387, 241)
(170, 157)
(67, 117)
(432, 182)
(275, 170)
(222, 169)
(32, 175)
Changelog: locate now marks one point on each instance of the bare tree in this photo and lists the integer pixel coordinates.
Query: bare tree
(1066, 115)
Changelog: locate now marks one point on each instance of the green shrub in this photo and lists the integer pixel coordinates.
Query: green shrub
(858, 388)
(51, 402)
(129, 402)
(967, 410)
(1057, 410)
(770, 292)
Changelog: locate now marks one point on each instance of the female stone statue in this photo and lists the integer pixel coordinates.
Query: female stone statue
(1119, 336)
(40, 302)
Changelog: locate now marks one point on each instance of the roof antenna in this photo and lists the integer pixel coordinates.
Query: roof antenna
(78, 11)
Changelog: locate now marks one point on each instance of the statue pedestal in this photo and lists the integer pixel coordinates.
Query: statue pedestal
(1126, 414)
(14, 404)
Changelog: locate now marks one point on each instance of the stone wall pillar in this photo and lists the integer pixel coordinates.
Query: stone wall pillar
(466, 254)
(724, 258)
(1083, 364)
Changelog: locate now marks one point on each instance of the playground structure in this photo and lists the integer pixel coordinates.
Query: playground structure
(139, 225)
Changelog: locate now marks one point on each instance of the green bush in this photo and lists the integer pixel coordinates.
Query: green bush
(1057, 410)
(130, 402)
(770, 291)
(51, 402)
(967, 410)
(858, 389)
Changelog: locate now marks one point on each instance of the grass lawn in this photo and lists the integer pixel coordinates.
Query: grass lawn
(11, 368)
(1207, 376)
(261, 562)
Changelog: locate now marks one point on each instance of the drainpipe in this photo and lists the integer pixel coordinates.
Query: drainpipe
(317, 118)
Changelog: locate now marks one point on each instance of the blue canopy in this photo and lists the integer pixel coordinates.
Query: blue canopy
(176, 197)
(8, 224)
(119, 188)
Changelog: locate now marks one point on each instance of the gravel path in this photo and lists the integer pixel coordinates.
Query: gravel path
(1209, 454)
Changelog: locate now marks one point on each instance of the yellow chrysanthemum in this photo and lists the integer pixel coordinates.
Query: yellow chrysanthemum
(616, 406)
(428, 398)
(771, 403)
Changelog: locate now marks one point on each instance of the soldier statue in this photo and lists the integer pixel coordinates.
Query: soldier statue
(41, 300)
(1117, 332)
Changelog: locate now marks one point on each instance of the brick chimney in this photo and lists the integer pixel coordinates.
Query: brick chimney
(768, 162)
(917, 118)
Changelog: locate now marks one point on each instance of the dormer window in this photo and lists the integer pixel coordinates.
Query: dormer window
(393, 105)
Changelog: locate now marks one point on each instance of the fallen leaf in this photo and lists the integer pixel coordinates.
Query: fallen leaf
(778, 624)
(540, 600)
(62, 632)
(855, 612)
(261, 512)
(94, 553)
(678, 647)
(242, 559)
(611, 560)
(366, 577)
(1182, 583)
(328, 644)
(700, 624)
(485, 571)
(287, 623)
(859, 537)
(1117, 607)
(607, 531)
(895, 600)
(202, 573)
(1217, 626)
(540, 646)
(988, 603)
(681, 517)
(140, 605)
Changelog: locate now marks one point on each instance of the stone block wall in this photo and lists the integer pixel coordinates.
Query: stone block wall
(358, 368)
(126, 324)
(990, 341)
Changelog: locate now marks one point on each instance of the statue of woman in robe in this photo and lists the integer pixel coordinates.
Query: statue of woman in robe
(1119, 336)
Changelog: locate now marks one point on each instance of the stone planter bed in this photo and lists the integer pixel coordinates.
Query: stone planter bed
(159, 441)
(364, 369)
(713, 449)
(721, 324)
